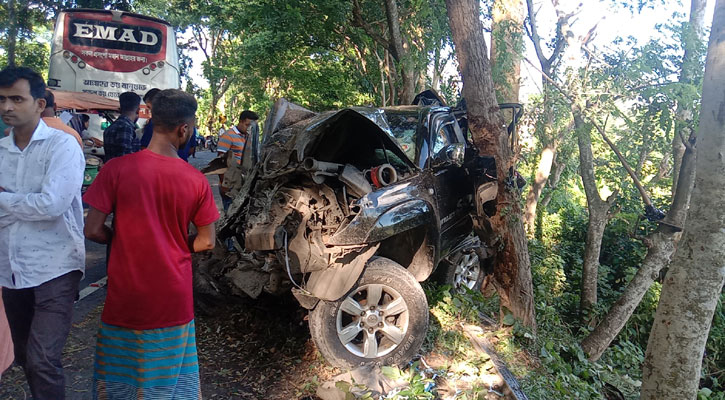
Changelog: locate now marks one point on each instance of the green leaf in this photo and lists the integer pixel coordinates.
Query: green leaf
(343, 386)
(391, 372)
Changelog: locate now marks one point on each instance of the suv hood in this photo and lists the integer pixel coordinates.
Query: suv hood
(293, 133)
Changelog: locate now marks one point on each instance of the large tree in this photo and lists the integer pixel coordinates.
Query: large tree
(695, 280)
(661, 243)
(546, 129)
(512, 270)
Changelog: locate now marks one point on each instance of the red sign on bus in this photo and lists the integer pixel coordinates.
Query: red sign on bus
(108, 44)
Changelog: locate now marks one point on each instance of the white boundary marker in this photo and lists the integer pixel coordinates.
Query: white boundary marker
(87, 291)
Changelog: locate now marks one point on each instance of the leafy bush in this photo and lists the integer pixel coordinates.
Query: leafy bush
(713, 364)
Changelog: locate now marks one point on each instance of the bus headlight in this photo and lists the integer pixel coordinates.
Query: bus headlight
(66, 54)
(81, 64)
(146, 71)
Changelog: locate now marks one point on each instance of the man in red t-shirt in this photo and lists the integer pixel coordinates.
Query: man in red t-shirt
(146, 343)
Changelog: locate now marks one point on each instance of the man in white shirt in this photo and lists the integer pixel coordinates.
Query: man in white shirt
(42, 252)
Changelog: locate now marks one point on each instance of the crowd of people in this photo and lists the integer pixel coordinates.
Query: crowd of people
(146, 345)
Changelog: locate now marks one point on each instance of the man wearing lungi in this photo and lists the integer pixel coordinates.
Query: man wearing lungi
(146, 344)
(42, 252)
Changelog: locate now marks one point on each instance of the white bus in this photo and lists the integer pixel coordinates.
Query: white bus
(108, 52)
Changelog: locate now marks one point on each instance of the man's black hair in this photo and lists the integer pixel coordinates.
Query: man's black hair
(49, 99)
(10, 75)
(149, 96)
(85, 117)
(173, 107)
(129, 101)
(247, 114)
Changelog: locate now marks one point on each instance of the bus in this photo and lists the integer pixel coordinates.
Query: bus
(108, 52)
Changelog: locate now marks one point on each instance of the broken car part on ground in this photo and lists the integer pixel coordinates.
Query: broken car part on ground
(350, 210)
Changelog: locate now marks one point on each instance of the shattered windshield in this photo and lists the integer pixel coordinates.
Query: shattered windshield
(403, 125)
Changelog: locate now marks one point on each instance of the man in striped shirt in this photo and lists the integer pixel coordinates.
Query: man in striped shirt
(234, 140)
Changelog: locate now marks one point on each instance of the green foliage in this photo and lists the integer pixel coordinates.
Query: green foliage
(30, 30)
(418, 383)
(713, 365)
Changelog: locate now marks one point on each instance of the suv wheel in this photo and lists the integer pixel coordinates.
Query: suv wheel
(382, 320)
(463, 271)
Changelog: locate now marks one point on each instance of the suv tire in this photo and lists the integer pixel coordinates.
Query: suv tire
(382, 320)
(463, 269)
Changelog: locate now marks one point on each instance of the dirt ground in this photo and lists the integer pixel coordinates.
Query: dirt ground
(247, 350)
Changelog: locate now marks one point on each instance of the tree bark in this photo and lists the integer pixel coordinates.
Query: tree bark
(399, 51)
(12, 33)
(695, 280)
(553, 181)
(660, 248)
(546, 160)
(512, 270)
(506, 48)
(597, 208)
(392, 78)
(690, 65)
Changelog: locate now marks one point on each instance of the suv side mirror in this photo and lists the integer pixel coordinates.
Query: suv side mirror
(454, 154)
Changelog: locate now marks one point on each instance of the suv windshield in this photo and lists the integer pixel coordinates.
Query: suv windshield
(403, 126)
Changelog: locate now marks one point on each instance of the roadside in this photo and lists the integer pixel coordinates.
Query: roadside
(261, 349)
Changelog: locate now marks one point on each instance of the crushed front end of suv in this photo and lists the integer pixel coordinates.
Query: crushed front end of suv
(351, 210)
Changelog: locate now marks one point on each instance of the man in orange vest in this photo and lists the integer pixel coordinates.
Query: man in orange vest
(52, 121)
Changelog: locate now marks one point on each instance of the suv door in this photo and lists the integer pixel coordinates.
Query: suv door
(453, 190)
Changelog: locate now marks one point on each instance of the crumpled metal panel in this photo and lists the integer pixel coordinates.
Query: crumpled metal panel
(386, 212)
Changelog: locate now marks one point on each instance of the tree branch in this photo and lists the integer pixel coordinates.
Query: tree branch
(535, 38)
(550, 80)
(358, 21)
(625, 164)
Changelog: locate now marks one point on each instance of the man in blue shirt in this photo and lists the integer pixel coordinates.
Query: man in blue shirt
(120, 138)
(148, 130)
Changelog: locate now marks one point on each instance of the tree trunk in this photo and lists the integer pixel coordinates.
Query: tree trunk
(12, 33)
(548, 154)
(695, 280)
(390, 69)
(512, 270)
(598, 209)
(660, 248)
(399, 52)
(690, 65)
(542, 175)
(506, 48)
(553, 182)
(381, 68)
(212, 121)
(436, 79)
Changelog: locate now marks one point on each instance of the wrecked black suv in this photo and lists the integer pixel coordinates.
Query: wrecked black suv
(350, 210)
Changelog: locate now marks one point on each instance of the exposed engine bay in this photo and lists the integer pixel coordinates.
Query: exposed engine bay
(307, 185)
